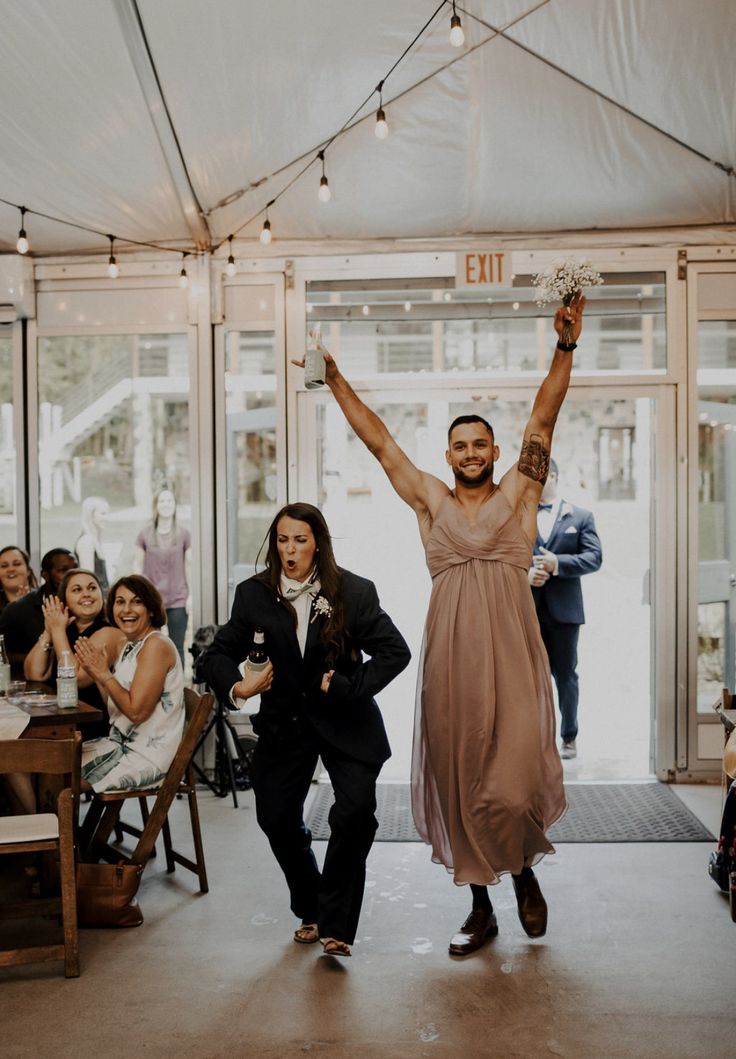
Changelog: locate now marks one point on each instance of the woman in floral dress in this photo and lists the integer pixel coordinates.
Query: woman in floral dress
(138, 672)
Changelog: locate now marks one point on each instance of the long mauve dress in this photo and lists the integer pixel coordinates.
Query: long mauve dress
(486, 773)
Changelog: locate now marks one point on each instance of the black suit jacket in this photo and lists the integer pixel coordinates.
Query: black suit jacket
(347, 715)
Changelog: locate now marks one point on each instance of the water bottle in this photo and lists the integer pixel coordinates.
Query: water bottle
(257, 659)
(314, 362)
(66, 683)
(4, 670)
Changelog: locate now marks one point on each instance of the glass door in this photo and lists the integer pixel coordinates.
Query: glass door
(712, 311)
(606, 450)
(249, 405)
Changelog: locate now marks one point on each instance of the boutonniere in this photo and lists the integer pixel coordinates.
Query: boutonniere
(322, 607)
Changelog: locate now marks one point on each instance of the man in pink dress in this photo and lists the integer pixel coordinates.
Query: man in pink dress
(486, 773)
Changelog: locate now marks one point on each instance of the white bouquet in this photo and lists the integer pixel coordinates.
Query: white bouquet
(563, 279)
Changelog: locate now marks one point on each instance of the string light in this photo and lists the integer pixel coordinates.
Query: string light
(381, 129)
(183, 278)
(457, 37)
(324, 194)
(22, 245)
(230, 268)
(112, 267)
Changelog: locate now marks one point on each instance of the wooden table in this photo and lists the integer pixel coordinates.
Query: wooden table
(47, 721)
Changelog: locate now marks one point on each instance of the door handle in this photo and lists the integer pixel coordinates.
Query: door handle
(732, 580)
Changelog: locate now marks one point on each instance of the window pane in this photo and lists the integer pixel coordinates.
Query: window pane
(113, 414)
(8, 523)
(716, 510)
(717, 344)
(409, 325)
(250, 423)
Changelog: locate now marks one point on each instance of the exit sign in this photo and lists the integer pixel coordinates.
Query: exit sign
(483, 268)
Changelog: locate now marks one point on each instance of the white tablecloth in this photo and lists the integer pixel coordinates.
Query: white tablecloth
(13, 721)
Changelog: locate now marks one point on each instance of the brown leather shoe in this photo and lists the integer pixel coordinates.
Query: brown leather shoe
(532, 906)
(475, 931)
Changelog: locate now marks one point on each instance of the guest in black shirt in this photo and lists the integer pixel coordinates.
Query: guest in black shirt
(22, 622)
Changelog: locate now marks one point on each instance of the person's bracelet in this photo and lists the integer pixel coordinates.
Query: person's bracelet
(46, 646)
(104, 683)
(567, 347)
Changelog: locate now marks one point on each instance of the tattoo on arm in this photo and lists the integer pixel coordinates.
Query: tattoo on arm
(534, 459)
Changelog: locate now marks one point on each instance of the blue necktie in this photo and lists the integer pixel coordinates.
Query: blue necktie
(545, 507)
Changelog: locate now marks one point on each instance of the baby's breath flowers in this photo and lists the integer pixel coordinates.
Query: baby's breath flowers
(561, 282)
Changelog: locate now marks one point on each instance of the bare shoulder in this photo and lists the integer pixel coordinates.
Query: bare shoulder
(522, 492)
(159, 648)
(107, 637)
(435, 491)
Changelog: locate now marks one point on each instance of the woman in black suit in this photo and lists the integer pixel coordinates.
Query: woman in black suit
(316, 701)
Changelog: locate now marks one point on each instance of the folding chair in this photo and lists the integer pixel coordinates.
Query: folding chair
(46, 832)
(104, 812)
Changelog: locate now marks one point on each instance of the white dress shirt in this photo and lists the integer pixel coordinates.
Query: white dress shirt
(547, 519)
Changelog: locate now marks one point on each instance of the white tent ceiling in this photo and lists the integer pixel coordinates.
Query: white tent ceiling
(142, 119)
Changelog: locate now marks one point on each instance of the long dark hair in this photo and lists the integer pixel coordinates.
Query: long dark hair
(332, 632)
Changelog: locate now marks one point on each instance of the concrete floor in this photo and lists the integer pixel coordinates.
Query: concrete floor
(637, 961)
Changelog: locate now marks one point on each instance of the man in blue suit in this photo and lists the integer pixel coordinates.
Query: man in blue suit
(567, 547)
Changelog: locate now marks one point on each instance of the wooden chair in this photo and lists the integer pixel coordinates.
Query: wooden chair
(104, 812)
(46, 832)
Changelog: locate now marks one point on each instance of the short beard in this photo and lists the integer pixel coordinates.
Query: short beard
(474, 483)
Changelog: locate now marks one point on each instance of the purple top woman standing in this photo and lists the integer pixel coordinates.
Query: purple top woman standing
(163, 553)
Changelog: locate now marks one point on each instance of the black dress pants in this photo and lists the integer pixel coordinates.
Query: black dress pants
(282, 772)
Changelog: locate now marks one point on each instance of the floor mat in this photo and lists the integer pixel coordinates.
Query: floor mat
(599, 812)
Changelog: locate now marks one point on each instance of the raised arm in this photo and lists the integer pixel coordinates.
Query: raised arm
(523, 483)
(422, 491)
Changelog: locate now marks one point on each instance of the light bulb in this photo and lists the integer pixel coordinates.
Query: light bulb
(22, 245)
(266, 236)
(230, 268)
(457, 37)
(381, 129)
(324, 192)
(183, 278)
(112, 268)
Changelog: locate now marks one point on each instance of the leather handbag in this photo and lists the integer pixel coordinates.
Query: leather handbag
(106, 895)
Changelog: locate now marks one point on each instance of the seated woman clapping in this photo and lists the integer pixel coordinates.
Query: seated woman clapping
(77, 611)
(138, 670)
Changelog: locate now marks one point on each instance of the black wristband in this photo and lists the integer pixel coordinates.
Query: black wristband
(567, 347)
